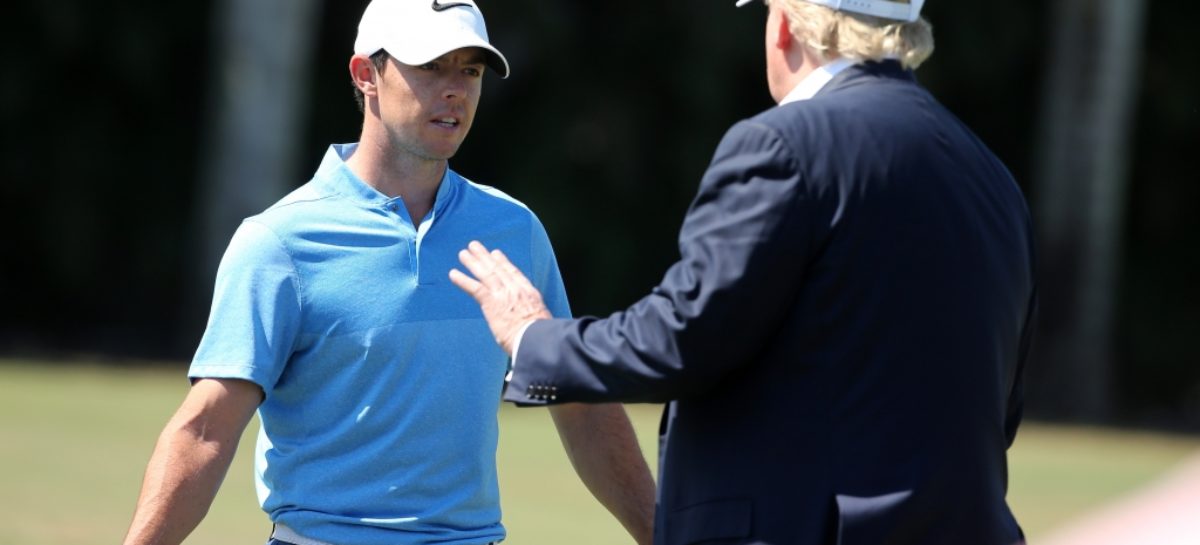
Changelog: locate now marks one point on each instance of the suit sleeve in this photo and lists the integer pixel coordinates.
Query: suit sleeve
(1016, 397)
(743, 248)
(1015, 408)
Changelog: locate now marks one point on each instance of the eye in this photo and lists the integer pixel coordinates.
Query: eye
(473, 72)
(431, 65)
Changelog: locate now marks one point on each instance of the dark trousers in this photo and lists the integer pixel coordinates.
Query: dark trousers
(274, 541)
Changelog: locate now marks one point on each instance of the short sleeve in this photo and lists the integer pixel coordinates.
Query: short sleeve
(255, 317)
(546, 276)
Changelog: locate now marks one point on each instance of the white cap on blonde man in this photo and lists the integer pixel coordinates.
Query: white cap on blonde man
(415, 32)
(886, 9)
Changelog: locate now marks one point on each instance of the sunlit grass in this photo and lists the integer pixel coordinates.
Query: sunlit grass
(1058, 471)
(74, 440)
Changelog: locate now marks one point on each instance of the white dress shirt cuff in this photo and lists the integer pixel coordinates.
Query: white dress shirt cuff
(517, 348)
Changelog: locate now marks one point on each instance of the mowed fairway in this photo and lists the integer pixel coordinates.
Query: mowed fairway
(74, 441)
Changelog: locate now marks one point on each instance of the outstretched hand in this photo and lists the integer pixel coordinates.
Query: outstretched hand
(508, 300)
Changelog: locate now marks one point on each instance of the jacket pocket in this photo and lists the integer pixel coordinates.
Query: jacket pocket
(721, 519)
(869, 520)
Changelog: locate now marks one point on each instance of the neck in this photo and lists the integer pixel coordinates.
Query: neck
(398, 173)
(792, 65)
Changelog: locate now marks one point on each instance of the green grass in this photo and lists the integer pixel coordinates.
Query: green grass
(1056, 472)
(75, 439)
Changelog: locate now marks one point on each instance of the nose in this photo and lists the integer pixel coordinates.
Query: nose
(454, 89)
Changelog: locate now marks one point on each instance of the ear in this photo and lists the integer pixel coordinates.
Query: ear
(783, 38)
(362, 73)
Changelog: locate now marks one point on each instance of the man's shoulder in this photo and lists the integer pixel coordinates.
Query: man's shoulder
(786, 126)
(847, 111)
(485, 197)
(793, 122)
(802, 114)
(303, 204)
(483, 210)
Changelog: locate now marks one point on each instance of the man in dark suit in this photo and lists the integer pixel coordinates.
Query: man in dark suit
(841, 340)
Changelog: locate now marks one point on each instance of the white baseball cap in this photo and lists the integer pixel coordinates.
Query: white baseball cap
(416, 31)
(879, 8)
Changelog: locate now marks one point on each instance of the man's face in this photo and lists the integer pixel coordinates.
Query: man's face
(427, 110)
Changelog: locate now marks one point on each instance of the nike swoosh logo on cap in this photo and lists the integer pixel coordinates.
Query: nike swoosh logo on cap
(444, 7)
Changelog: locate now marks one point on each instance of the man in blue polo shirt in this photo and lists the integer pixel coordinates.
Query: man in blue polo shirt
(376, 380)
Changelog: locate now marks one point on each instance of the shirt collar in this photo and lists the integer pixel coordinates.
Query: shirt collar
(335, 176)
(812, 83)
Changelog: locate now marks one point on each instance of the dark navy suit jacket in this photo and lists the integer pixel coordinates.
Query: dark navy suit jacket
(841, 340)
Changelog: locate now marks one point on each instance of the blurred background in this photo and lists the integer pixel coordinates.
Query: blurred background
(137, 134)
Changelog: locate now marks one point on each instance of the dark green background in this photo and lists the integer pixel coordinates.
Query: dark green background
(604, 128)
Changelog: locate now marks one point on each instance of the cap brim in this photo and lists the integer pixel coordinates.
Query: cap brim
(496, 61)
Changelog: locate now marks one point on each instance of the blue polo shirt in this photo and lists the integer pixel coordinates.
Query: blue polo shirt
(382, 379)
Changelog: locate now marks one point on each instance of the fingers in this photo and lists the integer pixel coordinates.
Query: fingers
(511, 272)
(492, 268)
(506, 297)
(477, 260)
(467, 284)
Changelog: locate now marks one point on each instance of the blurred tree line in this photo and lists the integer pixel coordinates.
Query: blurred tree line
(137, 133)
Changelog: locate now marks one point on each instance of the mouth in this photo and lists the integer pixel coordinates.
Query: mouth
(446, 122)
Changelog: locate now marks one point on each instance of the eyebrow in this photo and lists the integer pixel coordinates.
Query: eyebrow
(476, 56)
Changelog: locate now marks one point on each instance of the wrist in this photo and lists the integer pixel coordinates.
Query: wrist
(515, 344)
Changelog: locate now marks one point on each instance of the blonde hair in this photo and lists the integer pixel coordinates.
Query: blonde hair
(861, 37)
